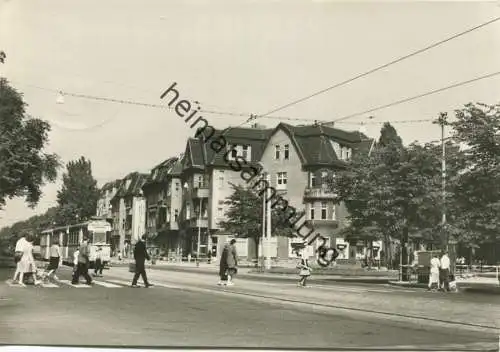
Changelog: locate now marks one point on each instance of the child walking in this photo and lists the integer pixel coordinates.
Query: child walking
(305, 270)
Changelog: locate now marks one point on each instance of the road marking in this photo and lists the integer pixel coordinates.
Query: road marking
(49, 284)
(106, 284)
(122, 282)
(67, 282)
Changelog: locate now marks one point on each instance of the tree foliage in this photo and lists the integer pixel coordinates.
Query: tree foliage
(244, 216)
(78, 195)
(476, 190)
(24, 167)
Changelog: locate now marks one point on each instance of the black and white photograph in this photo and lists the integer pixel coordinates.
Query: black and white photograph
(250, 174)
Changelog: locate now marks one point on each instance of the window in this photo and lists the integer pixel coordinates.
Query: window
(245, 152)
(324, 178)
(348, 153)
(200, 182)
(221, 181)
(312, 179)
(281, 180)
(287, 152)
(188, 210)
(277, 152)
(334, 215)
(167, 214)
(311, 212)
(234, 153)
(220, 212)
(176, 214)
(177, 186)
(323, 210)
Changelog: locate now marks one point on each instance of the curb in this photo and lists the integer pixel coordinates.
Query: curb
(280, 277)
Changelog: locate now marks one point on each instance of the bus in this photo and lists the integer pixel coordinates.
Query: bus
(71, 236)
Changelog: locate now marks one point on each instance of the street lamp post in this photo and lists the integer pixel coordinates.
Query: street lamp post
(199, 236)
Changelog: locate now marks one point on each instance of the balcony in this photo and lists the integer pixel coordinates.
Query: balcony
(318, 193)
(200, 192)
(195, 222)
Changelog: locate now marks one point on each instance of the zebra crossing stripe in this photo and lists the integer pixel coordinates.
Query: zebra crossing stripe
(106, 284)
(67, 282)
(122, 282)
(49, 284)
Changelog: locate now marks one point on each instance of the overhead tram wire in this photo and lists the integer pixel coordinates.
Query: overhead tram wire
(427, 48)
(418, 96)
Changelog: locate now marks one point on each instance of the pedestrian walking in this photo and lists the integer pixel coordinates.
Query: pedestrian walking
(55, 260)
(82, 267)
(444, 273)
(140, 256)
(232, 262)
(27, 263)
(434, 272)
(99, 265)
(304, 270)
(18, 254)
(223, 265)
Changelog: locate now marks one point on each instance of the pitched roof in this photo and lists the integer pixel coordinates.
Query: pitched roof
(199, 154)
(314, 144)
(160, 172)
(134, 189)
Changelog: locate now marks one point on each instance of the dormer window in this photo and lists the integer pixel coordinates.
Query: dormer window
(243, 151)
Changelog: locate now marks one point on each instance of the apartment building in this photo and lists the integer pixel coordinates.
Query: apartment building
(207, 178)
(163, 193)
(299, 160)
(128, 208)
(108, 191)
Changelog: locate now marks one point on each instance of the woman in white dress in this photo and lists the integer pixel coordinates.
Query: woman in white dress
(434, 274)
(27, 262)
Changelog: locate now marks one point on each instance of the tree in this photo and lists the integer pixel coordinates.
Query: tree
(477, 189)
(244, 216)
(389, 136)
(78, 195)
(24, 167)
(395, 193)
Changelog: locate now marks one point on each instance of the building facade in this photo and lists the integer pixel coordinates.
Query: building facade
(163, 193)
(181, 203)
(128, 208)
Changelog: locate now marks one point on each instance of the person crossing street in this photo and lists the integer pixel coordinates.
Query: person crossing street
(82, 268)
(140, 256)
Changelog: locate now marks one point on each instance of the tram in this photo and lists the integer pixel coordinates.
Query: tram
(70, 237)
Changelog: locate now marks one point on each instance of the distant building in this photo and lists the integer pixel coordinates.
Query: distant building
(128, 212)
(163, 193)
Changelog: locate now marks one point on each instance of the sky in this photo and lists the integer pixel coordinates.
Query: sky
(233, 56)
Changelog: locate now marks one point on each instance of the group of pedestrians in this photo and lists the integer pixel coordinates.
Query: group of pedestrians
(439, 277)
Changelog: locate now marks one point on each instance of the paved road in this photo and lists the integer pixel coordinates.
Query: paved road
(112, 313)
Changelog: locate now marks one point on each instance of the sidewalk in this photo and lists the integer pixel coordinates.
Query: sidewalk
(433, 307)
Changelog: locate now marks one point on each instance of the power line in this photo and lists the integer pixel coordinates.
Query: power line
(418, 96)
(384, 66)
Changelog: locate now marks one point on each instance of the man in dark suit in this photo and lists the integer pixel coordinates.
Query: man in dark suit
(82, 268)
(140, 256)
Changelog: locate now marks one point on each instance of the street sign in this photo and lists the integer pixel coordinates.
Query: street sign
(99, 226)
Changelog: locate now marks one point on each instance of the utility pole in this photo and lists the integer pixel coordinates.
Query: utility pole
(264, 220)
(442, 121)
(199, 236)
(268, 227)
